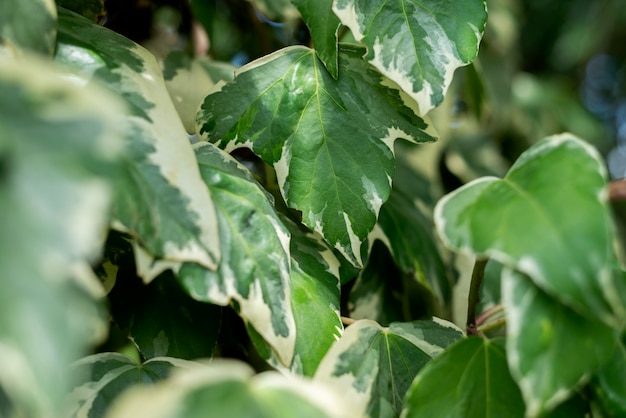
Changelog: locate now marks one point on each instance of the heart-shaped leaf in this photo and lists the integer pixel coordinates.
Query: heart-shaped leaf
(330, 141)
(374, 366)
(417, 43)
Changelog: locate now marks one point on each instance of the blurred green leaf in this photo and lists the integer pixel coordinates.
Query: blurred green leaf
(28, 25)
(609, 386)
(93, 10)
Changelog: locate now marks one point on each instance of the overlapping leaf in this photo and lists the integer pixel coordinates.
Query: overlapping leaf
(254, 272)
(59, 154)
(161, 199)
(549, 219)
(330, 141)
(470, 379)
(28, 25)
(103, 377)
(565, 348)
(417, 43)
(374, 366)
(230, 389)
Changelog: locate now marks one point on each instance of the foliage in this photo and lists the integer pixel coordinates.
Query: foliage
(184, 235)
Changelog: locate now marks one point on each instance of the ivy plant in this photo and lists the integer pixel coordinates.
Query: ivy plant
(184, 236)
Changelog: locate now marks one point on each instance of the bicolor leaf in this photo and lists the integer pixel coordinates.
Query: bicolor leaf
(470, 379)
(330, 141)
(161, 200)
(59, 155)
(565, 348)
(228, 388)
(548, 218)
(104, 376)
(254, 272)
(374, 366)
(29, 25)
(417, 43)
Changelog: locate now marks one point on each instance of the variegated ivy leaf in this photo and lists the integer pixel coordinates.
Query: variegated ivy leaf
(548, 218)
(103, 377)
(28, 25)
(161, 200)
(565, 348)
(254, 272)
(470, 379)
(374, 366)
(59, 154)
(315, 302)
(323, 25)
(417, 43)
(188, 81)
(330, 141)
(92, 9)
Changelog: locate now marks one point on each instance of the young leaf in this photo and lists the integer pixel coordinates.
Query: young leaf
(374, 366)
(551, 350)
(161, 200)
(28, 25)
(104, 376)
(228, 388)
(609, 386)
(469, 379)
(59, 154)
(323, 25)
(549, 219)
(417, 43)
(330, 141)
(254, 271)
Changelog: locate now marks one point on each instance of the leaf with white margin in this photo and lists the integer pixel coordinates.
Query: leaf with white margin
(548, 218)
(254, 272)
(417, 43)
(323, 25)
(59, 155)
(374, 366)
(188, 80)
(552, 350)
(470, 379)
(230, 388)
(315, 300)
(103, 377)
(330, 141)
(28, 25)
(161, 200)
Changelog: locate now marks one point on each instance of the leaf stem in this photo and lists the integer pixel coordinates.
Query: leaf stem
(478, 273)
(483, 317)
(347, 321)
(490, 326)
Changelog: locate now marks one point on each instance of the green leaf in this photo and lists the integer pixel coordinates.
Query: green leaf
(59, 154)
(470, 379)
(551, 349)
(417, 43)
(189, 79)
(549, 219)
(104, 376)
(296, 117)
(28, 25)
(161, 201)
(374, 366)
(93, 10)
(609, 386)
(254, 272)
(228, 388)
(323, 25)
(162, 319)
(276, 9)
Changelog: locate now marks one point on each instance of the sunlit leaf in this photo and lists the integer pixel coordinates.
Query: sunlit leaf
(469, 379)
(289, 110)
(374, 366)
(549, 219)
(417, 43)
(103, 377)
(254, 272)
(161, 200)
(59, 153)
(28, 25)
(231, 389)
(563, 352)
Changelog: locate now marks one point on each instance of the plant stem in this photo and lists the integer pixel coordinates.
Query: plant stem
(483, 317)
(474, 294)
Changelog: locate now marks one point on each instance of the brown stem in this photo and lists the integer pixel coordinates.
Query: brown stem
(474, 294)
